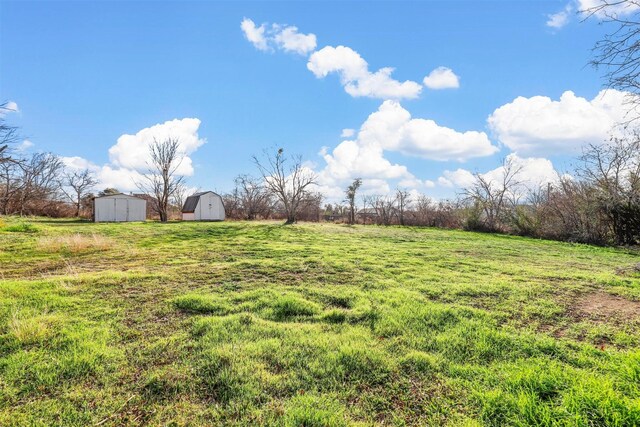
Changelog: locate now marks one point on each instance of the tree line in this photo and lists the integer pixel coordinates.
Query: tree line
(598, 203)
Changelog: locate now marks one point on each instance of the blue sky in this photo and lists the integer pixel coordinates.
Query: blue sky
(83, 74)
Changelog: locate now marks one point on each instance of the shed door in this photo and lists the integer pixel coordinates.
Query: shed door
(211, 214)
(105, 210)
(215, 208)
(122, 209)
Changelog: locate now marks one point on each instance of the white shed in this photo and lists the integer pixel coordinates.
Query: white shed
(119, 208)
(204, 206)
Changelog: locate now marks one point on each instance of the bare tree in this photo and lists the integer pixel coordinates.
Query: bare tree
(161, 180)
(38, 182)
(368, 213)
(424, 211)
(9, 167)
(613, 170)
(384, 208)
(10, 184)
(253, 198)
(491, 198)
(231, 202)
(179, 196)
(351, 199)
(402, 201)
(76, 185)
(310, 208)
(288, 185)
(8, 133)
(569, 212)
(336, 212)
(618, 53)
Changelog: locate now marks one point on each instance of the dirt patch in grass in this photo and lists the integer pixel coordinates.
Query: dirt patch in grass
(604, 307)
(595, 317)
(630, 270)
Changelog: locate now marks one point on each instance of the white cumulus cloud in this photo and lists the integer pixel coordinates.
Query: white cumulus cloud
(533, 173)
(79, 163)
(415, 183)
(602, 8)
(560, 19)
(132, 151)
(541, 125)
(129, 157)
(120, 178)
(277, 36)
(442, 78)
(24, 145)
(12, 106)
(290, 40)
(353, 70)
(391, 129)
(347, 133)
(355, 75)
(585, 8)
(352, 159)
(460, 178)
(9, 107)
(256, 35)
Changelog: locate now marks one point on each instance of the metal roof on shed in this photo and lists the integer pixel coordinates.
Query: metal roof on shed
(119, 195)
(192, 201)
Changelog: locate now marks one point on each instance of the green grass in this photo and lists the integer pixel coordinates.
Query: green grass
(249, 324)
(20, 227)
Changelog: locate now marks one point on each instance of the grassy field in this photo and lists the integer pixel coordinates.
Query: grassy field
(312, 325)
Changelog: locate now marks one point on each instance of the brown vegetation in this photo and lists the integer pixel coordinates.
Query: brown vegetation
(74, 243)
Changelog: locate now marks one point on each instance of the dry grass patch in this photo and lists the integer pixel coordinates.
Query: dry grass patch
(75, 243)
(32, 329)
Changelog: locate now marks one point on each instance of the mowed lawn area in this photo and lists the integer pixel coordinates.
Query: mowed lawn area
(255, 323)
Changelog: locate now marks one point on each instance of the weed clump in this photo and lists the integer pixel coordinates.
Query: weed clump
(314, 411)
(418, 362)
(361, 364)
(21, 227)
(289, 306)
(167, 382)
(335, 316)
(205, 304)
(28, 330)
(222, 378)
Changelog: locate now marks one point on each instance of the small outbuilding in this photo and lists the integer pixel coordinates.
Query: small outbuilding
(119, 208)
(204, 206)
